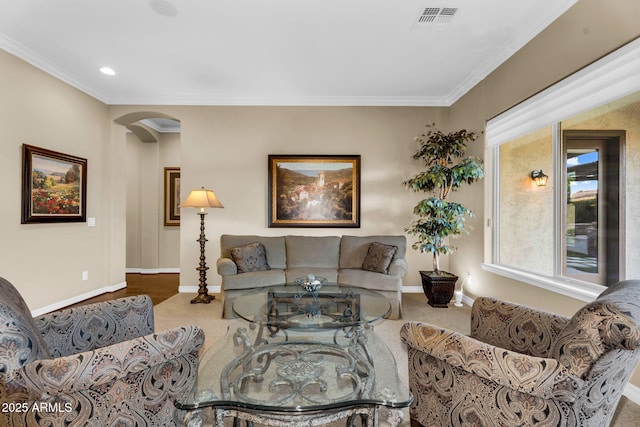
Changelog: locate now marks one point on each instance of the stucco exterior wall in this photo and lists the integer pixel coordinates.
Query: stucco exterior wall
(525, 209)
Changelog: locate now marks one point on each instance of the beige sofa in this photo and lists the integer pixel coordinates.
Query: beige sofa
(338, 258)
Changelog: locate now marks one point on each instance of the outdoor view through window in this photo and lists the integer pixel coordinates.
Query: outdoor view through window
(576, 226)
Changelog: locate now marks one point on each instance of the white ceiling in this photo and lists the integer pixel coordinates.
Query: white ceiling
(277, 52)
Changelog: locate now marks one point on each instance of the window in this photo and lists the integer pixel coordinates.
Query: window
(571, 235)
(592, 218)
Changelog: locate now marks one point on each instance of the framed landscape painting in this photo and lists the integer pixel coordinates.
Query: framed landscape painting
(54, 186)
(171, 196)
(314, 191)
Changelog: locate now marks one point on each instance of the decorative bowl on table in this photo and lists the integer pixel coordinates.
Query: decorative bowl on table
(310, 283)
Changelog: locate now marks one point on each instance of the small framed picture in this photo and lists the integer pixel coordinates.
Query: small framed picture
(171, 196)
(314, 191)
(54, 186)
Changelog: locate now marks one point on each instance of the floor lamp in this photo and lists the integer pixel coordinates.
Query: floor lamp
(202, 199)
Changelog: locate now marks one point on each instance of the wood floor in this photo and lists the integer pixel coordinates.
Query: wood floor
(158, 286)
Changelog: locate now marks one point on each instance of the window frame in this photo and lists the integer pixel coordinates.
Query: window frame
(614, 76)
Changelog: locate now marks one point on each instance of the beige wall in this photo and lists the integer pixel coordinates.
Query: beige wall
(587, 32)
(46, 261)
(169, 237)
(151, 246)
(226, 149)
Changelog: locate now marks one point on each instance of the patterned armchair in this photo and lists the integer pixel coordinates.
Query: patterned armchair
(96, 365)
(523, 367)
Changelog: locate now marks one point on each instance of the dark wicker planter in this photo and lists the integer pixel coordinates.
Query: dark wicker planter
(438, 288)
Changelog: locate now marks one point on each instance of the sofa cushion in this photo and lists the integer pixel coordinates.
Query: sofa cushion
(251, 257)
(379, 257)
(306, 251)
(353, 249)
(369, 280)
(274, 246)
(255, 279)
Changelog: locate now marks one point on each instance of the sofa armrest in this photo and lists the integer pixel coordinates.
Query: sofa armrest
(541, 377)
(92, 326)
(398, 267)
(515, 327)
(226, 267)
(93, 369)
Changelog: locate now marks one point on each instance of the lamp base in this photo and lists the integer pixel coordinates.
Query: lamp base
(203, 293)
(203, 299)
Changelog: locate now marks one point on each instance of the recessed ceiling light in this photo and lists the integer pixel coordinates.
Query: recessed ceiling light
(108, 71)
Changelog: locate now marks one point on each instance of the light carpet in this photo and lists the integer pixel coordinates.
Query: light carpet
(178, 310)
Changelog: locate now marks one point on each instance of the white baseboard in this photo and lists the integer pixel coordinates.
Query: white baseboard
(194, 289)
(152, 270)
(77, 299)
(632, 393)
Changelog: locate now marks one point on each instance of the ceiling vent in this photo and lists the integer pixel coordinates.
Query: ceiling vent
(434, 18)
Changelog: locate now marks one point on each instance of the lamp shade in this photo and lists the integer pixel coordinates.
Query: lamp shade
(201, 198)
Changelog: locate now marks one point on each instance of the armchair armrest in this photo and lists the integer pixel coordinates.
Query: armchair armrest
(515, 327)
(92, 369)
(398, 267)
(226, 267)
(541, 377)
(92, 326)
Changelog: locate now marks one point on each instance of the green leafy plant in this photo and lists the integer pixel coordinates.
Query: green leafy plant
(446, 169)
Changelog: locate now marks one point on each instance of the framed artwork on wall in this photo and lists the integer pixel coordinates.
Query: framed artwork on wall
(54, 186)
(314, 190)
(172, 196)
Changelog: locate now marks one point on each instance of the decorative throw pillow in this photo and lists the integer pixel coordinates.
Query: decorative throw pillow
(251, 257)
(379, 257)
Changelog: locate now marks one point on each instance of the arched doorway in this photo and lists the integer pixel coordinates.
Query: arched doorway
(152, 145)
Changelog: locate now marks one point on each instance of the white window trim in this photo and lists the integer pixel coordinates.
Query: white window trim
(612, 77)
(582, 291)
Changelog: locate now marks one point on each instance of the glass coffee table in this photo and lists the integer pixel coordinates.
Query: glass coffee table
(330, 306)
(300, 357)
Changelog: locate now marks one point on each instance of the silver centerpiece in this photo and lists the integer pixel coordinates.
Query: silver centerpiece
(311, 283)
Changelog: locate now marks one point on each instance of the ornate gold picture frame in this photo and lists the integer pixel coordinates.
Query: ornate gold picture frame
(314, 191)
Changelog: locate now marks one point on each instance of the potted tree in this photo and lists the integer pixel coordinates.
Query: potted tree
(446, 169)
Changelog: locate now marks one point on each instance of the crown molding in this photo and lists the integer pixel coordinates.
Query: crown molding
(506, 51)
(351, 101)
(481, 72)
(162, 127)
(32, 58)
(22, 52)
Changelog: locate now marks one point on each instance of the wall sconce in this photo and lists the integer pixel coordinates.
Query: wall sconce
(539, 178)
